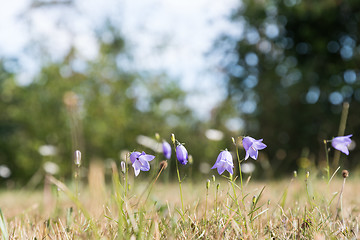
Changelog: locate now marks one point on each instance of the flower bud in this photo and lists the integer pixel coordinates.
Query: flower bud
(191, 159)
(207, 184)
(173, 138)
(123, 166)
(157, 137)
(345, 173)
(182, 154)
(77, 158)
(213, 178)
(166, 149)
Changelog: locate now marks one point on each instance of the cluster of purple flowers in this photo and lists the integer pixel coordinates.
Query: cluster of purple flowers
(140, 161)
(224, 161)
(181, 152)
(252, 146)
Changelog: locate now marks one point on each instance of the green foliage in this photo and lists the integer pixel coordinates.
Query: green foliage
(296, 62)
(98, 107)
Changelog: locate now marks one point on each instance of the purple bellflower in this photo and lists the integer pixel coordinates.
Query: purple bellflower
(252, 146)
(182, 154)
(342, 143)
(224, 162)
(140, 161)
(166, 149)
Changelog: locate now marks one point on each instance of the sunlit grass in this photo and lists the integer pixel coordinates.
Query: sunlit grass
(294, 208)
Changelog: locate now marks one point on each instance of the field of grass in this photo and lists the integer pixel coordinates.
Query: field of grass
(296, 208)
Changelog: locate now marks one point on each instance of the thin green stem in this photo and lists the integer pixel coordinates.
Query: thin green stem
(173, 139)
(340, 209)
(182, 202)
(327, 161)
(206, 200)
(235, 195)
(126, 176)
(77, 176)
(216, 198)
(240, 174)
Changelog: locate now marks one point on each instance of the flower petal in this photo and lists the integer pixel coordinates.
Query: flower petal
(137, 171)
(246, 155)
(230, 169)
(146, 157)
(259, 145)
(247, 142)
(144, 165)
(136, 165)
(341, 147)
(221, 169)
(253, 153)
(134, 156)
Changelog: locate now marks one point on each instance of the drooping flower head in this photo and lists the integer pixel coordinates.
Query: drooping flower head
(181, 154)
(140, 161)
(342, 143)
(224, 162)
(252, 146)
(166, 149)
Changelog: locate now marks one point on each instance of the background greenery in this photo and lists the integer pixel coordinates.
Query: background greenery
(287, 76)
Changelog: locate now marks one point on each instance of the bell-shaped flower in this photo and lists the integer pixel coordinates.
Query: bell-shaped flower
(342, 143)
(252, 146)
(224, 162)
(181, 154)
(166, 149)
(140, 161)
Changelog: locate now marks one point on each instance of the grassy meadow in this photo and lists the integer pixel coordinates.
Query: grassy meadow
(301, 207)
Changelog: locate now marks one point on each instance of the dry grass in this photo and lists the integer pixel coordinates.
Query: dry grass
(284, 210)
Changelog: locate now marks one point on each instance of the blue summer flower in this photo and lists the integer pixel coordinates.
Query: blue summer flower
(166, 149)
(181, 154)
(342, 143)
(252, 146)
(140, 161)
(224, 162)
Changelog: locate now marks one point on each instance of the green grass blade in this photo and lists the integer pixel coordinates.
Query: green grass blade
(3, 227)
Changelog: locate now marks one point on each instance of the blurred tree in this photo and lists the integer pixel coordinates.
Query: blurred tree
(289, 72)
(98, 106)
